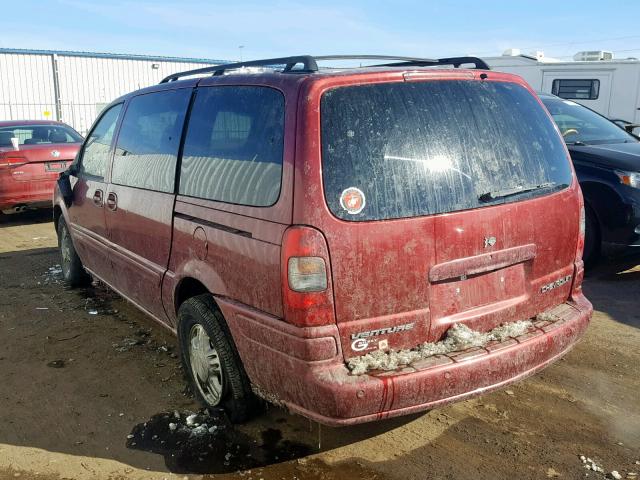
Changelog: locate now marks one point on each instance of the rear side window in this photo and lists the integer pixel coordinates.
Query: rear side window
(234, 145)
(148, 142)
(576, 89)
(406, 149)
(96, 150)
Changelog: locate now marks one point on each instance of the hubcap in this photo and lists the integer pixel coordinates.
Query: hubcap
(205, 365)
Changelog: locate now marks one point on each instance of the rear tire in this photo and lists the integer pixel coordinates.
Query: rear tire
(592, 239)
(211, 361)
(72, 270)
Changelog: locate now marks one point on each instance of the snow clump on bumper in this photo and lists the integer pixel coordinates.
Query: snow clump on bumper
(459, 337)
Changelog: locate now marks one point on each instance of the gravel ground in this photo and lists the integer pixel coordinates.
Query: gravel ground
(89, 387)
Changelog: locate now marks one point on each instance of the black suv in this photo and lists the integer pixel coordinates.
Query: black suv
(607, 162)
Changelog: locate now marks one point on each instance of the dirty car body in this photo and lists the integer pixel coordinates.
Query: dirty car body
(331, 214)
(32, 161)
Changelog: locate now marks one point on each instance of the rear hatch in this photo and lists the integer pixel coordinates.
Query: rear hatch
(451, 201)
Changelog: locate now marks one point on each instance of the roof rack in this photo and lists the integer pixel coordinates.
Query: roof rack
(373, 57)
(456, 62)
(310, 65)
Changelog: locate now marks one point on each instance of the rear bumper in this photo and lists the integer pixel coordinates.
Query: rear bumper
(32, 197)
(304, 369)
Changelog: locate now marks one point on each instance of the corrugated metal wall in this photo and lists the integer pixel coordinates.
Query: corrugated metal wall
(84, 83)
(26, 87)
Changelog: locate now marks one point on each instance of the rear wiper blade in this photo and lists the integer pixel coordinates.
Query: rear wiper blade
(489, 196)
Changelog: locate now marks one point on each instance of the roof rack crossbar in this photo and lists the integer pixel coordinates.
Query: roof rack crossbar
(374, 57)
(308, 62)
(456, 62)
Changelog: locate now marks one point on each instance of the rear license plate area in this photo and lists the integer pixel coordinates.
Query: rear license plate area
(55, 166)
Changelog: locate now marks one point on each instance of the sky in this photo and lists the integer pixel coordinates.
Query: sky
(237, 29)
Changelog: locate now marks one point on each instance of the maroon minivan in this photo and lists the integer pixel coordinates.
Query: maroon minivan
(352, 244)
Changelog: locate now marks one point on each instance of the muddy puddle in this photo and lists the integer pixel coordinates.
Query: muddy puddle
(207, 442)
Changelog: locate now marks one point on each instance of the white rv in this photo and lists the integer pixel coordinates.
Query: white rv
(597, 80)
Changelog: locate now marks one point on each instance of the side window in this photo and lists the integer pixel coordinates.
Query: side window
(234, 145)
(95, 155)
(576, 89)
(147, 146)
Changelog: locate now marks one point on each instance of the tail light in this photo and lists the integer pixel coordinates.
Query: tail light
(306, 278)
(580, 244)
(7, 161)
(578, 274)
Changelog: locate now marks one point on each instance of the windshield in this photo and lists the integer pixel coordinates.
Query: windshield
(38, 135)
(581, 125)
(406, 149)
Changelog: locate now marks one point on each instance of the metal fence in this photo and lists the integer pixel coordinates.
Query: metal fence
(73, 87)
(79, 115)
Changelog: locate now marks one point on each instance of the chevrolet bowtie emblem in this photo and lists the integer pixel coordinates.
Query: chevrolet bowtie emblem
(489, 242)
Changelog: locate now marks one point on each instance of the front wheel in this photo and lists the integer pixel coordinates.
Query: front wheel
(72, 270)
(210, 359)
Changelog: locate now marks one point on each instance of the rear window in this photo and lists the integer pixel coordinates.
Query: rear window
(38, 135)
(407, 149)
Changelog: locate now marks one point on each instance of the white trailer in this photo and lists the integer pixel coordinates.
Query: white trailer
(609, 86)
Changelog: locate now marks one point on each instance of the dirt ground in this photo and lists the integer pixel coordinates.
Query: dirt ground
(88, 387)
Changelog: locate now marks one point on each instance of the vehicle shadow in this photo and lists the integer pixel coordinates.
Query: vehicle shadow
(613, 286)
(207, 443)
(28, 217)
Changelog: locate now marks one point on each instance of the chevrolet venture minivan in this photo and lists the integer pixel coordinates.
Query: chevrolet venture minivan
(284, 219)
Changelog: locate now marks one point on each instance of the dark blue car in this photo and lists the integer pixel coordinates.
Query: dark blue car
(607, 162)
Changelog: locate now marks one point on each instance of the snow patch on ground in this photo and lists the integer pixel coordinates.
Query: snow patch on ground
(459, 337)
(52, 275)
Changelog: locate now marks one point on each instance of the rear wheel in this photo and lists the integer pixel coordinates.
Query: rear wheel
(72, 271)
(210, 359)
(592, 240)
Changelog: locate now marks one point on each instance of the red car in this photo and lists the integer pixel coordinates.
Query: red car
(32, 155)
(352, 244)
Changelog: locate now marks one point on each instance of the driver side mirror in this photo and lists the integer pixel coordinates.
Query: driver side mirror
(64, 183)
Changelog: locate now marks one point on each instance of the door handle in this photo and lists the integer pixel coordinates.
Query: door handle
(97, 198)
(112, 201)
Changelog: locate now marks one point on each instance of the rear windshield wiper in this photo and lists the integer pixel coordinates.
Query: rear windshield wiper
(489, 196)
